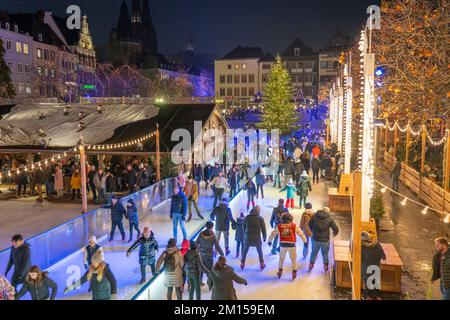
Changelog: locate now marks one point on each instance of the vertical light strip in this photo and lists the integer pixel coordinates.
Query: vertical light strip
(348, 118)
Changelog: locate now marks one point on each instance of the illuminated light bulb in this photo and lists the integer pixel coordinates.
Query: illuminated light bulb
(425, 211)
(65, 154)
(46, 161)
(26, 169)
(9, 174)
(447, 218)
(383, 190)
(403, 203)
(59, 156)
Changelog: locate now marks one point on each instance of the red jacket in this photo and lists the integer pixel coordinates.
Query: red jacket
(288, 234)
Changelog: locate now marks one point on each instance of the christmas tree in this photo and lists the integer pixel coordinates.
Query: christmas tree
(279, 110)
(6, 87)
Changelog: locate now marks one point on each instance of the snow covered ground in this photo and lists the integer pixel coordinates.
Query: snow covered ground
(21, 126)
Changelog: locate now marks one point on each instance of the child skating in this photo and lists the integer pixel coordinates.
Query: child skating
(290, 194)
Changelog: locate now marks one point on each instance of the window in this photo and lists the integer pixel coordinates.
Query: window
(265, 78)
(28, 89)
(222, 92)
(236, 66)
(229, 92)
(237, 92)
(52, 55)
(7, 25)
(46, 72)
(300, 65)
(244, 78)
(40, 37)
(237, 78)
(19, 67)
(46, 54)
(251, 91)
(25, 48)
(244, 66)
(297, 52)
(52, 73)
(266, 66)
(27, 68)
(323, 65)
(8, 45)
(308, 77)
(222, 78)
(21, 88)
(10, 65)
(300, 78)
(229, 67)
(39, 53)
(229, 78)
(39, 69)
(16, 28)
(308, 64)
(251, 78)
(18, 47)
(244, 92)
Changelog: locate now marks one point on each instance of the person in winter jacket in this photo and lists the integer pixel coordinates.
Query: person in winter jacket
(260, 181)
(6, 289)
(219, 183)
(315, 166)
(306, 160)
(100, 185)
(316, 151)
(275, 220)
(221, 281)
(289, 170)
(130, 176)
(207, 245)
(38, 284)
(320, 225)
(133, 218)
(254, 227)
(207, 171)
(251, 192)
(326, 166)
(395, 174)
(298, 169)
(194, 267)
(178, 211)
(173, 263)
(102, 282)
(372, 254)
(38, 178)
(58, 177)
(304, 225)
(239, 234)
(290, 193)
(441, 266)
(91, 249)
(142, 180)
(90, 176)
(198, 174)
(287, 230)
(181, 180)
(148, 246)
(233, 177)
(118, 212)
(303, 188)
(20, 258)
(22, 181)
(223, 217)
(75, 184)
(191, 192)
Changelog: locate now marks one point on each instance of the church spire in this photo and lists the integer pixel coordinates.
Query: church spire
(124, 24)
(136, 13)
(150, 41)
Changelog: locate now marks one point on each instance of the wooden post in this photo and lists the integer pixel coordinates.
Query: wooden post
(395, 139)
(158, 155)
(386, 132)
(83, 179)
(447, 161)
(424, 145)
(408, 145)
(356, 234)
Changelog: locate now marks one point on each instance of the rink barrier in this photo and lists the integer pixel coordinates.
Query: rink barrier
(145, 292)
(56, 244)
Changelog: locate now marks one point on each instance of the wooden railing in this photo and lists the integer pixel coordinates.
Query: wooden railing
(430, 192)
(13, 101)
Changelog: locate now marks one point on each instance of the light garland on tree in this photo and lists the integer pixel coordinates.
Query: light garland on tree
(433, 142)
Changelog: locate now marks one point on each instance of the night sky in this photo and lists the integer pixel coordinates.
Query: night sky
(217, 26)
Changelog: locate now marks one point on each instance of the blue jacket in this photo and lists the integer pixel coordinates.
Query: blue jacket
(179, 204)
(215, 171)
(133, 216)
(260, 178)
(117, 212)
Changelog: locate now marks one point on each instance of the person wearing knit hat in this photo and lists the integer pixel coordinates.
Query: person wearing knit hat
(288, 232)
(102, 282)
(372, 254)
(303, 188)
(90, 250)
(290, 193)
(133, 219)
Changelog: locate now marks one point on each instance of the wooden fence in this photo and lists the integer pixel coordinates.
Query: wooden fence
(431, 193)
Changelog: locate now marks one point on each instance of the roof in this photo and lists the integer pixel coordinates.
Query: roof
(337, 42)
(245, 52)
(72, 36)
(169, 118)
(34, 25)
(298, 43)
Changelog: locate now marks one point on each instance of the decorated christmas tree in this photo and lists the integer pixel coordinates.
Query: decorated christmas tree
(279, 110)
(6, 87)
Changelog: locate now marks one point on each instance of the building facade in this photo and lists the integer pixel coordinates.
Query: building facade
(302, 64)
(18, 56)
(240, 76)
(329, 56)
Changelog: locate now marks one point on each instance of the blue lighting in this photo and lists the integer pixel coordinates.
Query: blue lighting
(379, 71)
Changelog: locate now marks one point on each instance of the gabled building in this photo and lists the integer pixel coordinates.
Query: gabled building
(302, 64)
(329, 56)
(239, 76)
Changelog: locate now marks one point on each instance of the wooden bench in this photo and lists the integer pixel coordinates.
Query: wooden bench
(390, 269)
(338, 202)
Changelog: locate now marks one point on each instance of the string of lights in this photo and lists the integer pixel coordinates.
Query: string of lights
(406, 199)
(119, 145)
(416, 133)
